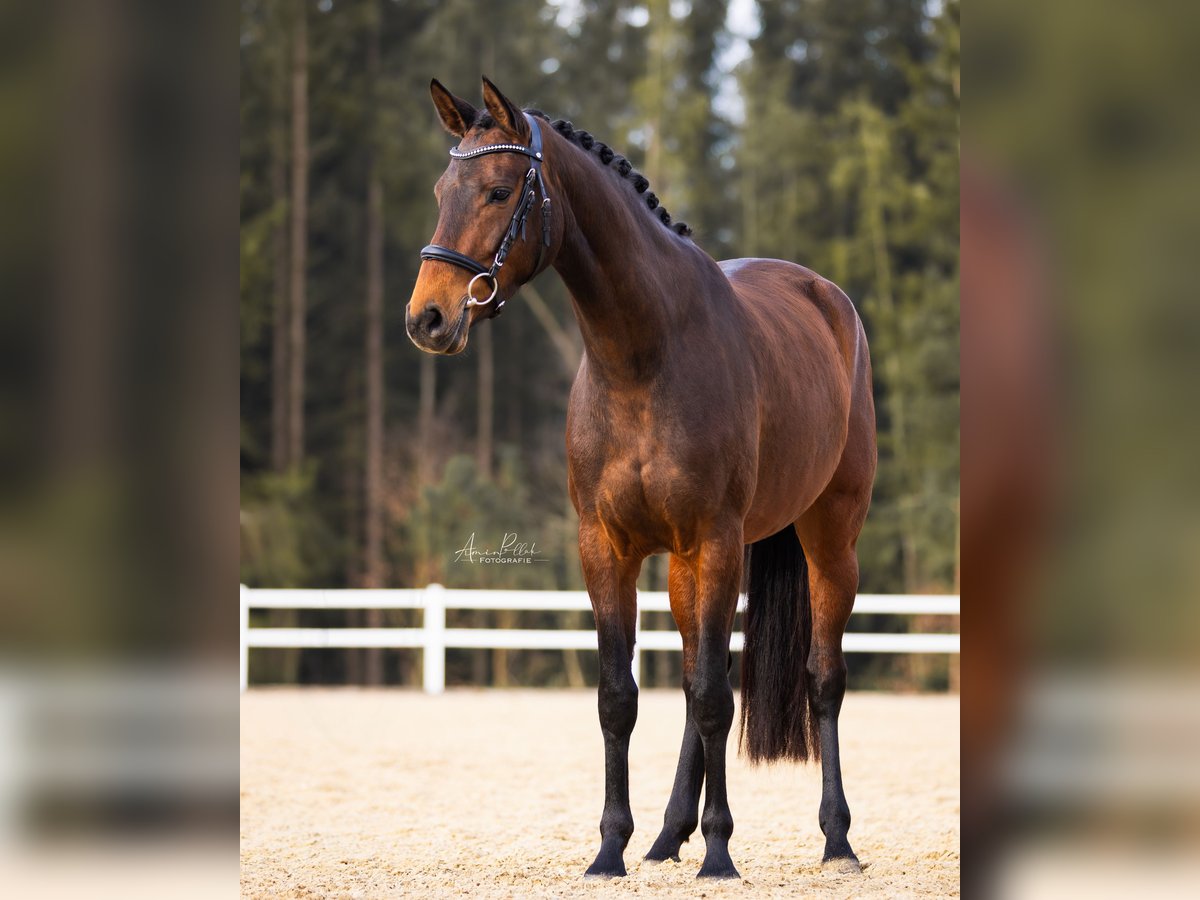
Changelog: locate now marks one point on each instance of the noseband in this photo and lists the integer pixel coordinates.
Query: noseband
(531, 185)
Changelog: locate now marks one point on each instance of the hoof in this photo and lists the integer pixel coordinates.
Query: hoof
(847, 865)
(598, 871)
(722, 875)
(721, 869)
(653, 857)
(662, 851)
(610, 861)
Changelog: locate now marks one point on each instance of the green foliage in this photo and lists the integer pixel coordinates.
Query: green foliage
(464, 507)
(285, 541)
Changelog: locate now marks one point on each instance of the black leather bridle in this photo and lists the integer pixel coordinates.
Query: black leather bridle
(531, 185)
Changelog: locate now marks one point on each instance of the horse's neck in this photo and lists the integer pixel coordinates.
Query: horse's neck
(625, 270)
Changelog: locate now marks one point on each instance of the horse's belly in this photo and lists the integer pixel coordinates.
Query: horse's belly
(794, 469)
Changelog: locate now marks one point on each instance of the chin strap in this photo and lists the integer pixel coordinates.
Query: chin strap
(531, 186)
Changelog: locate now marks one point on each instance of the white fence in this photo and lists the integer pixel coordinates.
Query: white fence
(433, 638)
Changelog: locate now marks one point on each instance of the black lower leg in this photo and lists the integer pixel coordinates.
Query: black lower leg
(618, 713)
(682, 816)
(829, 687)
(712, 711)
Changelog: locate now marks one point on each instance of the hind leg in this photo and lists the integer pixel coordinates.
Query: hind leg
(682, 816)
(828, 532)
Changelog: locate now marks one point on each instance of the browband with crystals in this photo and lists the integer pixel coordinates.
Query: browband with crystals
(493, 148)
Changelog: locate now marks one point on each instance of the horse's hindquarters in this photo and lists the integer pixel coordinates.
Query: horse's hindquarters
(810, 361)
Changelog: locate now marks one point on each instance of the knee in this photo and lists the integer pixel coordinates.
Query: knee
(712, 706)
(618, 704)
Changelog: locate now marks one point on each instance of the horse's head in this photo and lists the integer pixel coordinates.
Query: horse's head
(495, 227)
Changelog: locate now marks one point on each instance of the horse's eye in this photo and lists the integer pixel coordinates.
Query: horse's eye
(499, 195)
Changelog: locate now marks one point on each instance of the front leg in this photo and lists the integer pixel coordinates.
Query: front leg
(611, 583)
(718, 576)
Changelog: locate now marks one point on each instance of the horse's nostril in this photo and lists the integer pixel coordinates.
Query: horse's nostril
(433, 318)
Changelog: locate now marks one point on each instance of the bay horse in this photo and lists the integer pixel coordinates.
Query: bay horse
(722, 413)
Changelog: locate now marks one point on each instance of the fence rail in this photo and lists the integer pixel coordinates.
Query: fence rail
(434, 638)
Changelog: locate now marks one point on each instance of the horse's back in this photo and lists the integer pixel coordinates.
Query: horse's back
(766, 285)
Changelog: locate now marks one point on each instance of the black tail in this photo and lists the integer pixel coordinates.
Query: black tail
(777, 721)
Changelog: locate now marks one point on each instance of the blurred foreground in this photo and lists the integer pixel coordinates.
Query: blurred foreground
(117, 782)
(1081, 713)
(118, 478)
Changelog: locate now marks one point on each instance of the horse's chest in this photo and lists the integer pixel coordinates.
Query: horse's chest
(639, 500)
(643, 488)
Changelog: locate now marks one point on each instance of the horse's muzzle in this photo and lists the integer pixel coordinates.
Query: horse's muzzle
(433, 332)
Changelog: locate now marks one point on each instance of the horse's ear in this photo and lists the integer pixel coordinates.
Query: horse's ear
(456, 113)
(506, 113)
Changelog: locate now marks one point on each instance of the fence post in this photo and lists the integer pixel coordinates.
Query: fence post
(244, 648)
(435, 639)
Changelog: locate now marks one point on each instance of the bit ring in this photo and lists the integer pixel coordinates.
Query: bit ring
(472, 300)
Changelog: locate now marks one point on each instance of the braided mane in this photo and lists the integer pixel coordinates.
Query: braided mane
(607, 156)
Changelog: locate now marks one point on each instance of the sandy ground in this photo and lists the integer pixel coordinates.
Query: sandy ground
(358, 793)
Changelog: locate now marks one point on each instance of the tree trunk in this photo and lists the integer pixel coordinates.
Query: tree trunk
(505, 619)
(573, 670)
(485, 426)
(426, 407)
(660, 36)
(512, 371)
(750, 204)
(296, 324)
(351, 487)
(281, 315)
(568, 351)
(424, 568)
(279, 253)
(373, 575)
